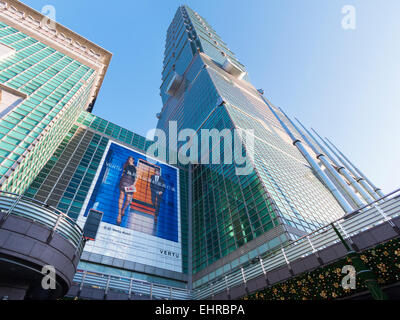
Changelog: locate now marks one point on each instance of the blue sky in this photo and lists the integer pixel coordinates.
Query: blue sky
(343, 83)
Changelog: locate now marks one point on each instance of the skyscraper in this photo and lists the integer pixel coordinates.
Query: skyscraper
(293, 188)
(48, 77)
(164, 228)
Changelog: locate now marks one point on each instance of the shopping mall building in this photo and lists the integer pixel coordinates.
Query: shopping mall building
(167, 231)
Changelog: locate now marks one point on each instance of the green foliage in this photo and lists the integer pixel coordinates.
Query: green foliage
(325, 283)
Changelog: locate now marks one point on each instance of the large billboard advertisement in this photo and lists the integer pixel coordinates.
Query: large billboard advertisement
(138, 197)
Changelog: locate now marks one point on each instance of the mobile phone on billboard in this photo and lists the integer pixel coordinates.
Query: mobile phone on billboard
(131, 189)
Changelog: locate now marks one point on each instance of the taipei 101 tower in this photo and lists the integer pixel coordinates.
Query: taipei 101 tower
(298, 182)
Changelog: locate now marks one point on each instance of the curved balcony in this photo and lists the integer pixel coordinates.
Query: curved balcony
(34, 235)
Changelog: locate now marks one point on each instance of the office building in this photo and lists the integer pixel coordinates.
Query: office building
(236, 219)
(168, 229)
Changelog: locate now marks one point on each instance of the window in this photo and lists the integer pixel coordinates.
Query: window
(6, 51)
(9, 99)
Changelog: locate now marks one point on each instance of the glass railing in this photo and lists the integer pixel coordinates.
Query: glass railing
(373, 214)
(130, 286)
(57, 221)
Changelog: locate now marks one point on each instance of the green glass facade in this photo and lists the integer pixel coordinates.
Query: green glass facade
(65, 180)
(56, 88)
(235, 218)
(52, 146)
(228, 210)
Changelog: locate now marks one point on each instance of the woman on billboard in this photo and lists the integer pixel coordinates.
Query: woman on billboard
(127, 187)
